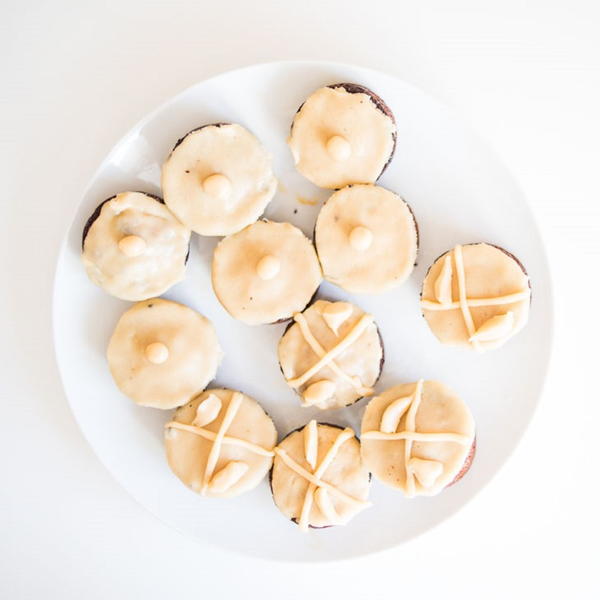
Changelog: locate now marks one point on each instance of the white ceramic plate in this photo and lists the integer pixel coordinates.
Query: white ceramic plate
(459, 193)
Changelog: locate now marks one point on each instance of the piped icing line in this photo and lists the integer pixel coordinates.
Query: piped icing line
(410, 425)
(462, 295)
(294, 466)
(474, 302)
(356, 331)
(211, 461)
(319, 471)
(321, 352)
(418, 436)
(226, 440)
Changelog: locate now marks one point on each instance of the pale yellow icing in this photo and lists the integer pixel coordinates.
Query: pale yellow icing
(227, 456)
(310, 352)
(256, 292)
(330, 489)
(339, 138)
(436, 427)
(218, 179)
(192, 353)
(476, 296)
(366, 239)
(136, 248)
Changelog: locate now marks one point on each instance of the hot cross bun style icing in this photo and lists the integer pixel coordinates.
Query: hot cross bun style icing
(265, 273)
(318, 478)
(476, 296)
(218, 179)
(134, 247)
(366, 239)
(332, 354)
(221, 443)
(417, 437)
(162, 353)
(342, 134)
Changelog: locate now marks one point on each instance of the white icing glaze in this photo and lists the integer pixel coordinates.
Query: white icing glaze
(366, 239)
(218, 179)
(485, 285)
(339, 138)
(318, 393)
(310, 352)
(311, 443)
(329, 493)
(438, 427)
(193, 353)
(251, 298)
(228, 456)
(136, 248)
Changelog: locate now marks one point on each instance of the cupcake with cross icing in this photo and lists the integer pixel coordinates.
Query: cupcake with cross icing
(162, 354)
(332, 354)
(418, 438)
(342, 134)
(366, 238)
(476, 296)
(221, 443)
(218, 179)
(134, 247)
(265, 273)
(318, 478)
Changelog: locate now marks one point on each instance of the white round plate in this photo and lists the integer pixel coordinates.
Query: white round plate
(459, 193)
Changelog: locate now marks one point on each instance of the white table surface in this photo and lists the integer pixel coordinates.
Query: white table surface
(77, 75)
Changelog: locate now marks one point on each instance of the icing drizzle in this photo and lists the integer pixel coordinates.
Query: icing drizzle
(319, 490)
(464, 303)
(410, 435)
(219, 439)
(327, 358)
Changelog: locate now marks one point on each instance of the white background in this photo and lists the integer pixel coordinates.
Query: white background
(77, 75)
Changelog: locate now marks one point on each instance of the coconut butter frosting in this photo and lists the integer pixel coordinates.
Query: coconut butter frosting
(342, 134)
(331, 355)
(134, 247)
(318, 477)
(366, 239)
(221, 443)
(476, 296)
(218, 179)
(162, 353)
(416, 437)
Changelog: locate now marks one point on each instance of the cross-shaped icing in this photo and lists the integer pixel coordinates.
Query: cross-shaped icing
(327, 357)
(463, 302)
(220, 438)
(316, 484)
(410, 435)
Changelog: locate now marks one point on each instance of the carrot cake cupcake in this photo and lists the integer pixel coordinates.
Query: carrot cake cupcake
(418, 438)
(218, 179)
(318, 478)
(221, 443)
(331, 355)
(265, 273)
(366, 239)
(343, 133)
(134, 247)
(476, 296)
(162, 353)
